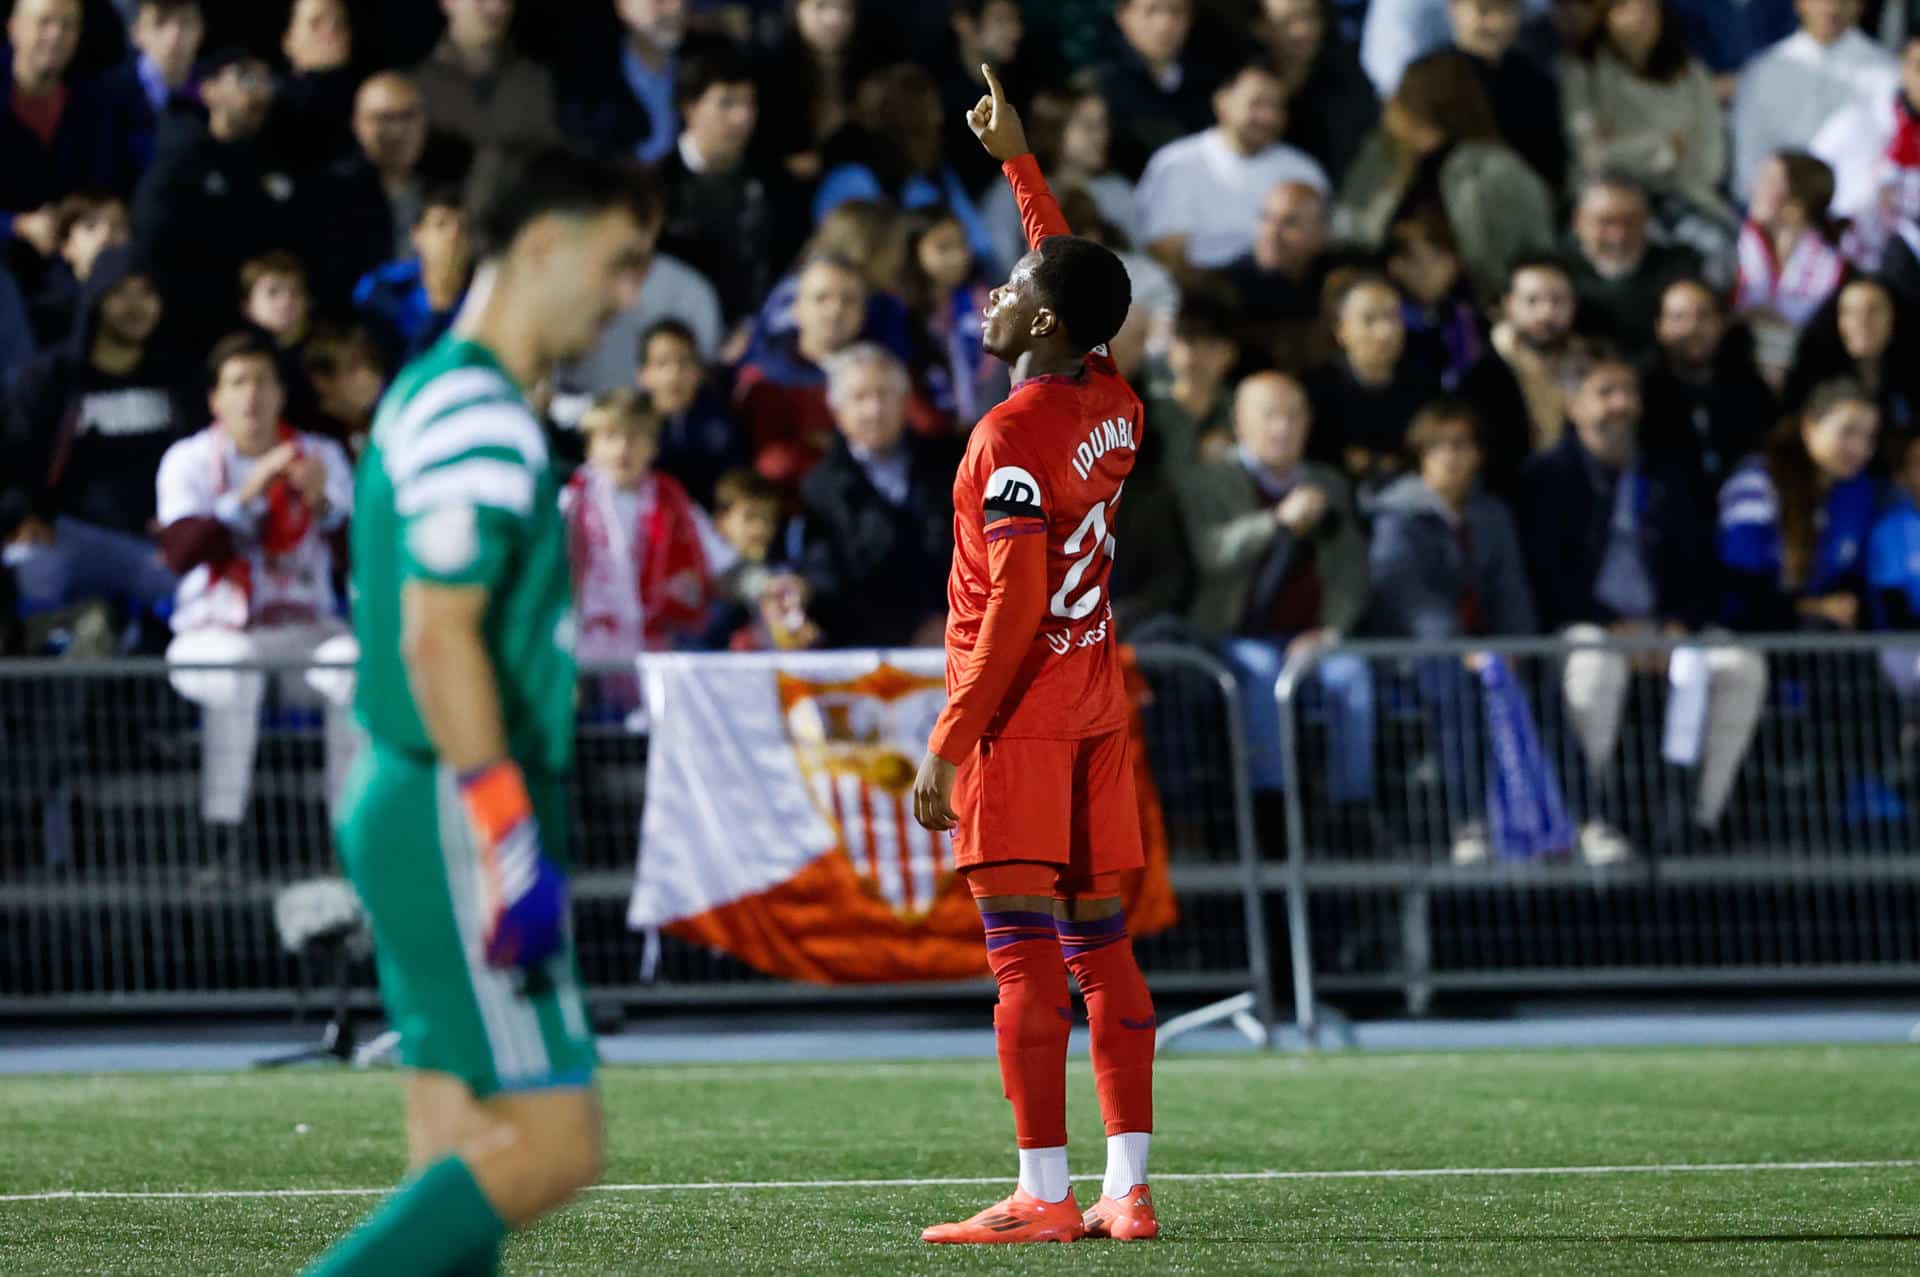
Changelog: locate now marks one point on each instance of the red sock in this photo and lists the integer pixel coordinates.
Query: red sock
(1120, 1013)
(1030, 1023)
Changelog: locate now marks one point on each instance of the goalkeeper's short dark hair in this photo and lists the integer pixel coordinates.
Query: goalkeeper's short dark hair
(1086, 286)
(567, 181)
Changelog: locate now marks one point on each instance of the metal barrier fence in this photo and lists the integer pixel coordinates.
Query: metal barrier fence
(118, 892)
(1781, 854)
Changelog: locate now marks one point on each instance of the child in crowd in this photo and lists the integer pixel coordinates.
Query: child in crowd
(1444, 328)
(759, 604)
(699, 441)
(1789, 261)
(343, 367)
(946, 296)
(273, 295)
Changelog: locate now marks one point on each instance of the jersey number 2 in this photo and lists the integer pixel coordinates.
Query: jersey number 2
(1094, 526)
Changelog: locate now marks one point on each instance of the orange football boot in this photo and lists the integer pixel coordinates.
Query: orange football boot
(1129, 1220)
(1021, 1218)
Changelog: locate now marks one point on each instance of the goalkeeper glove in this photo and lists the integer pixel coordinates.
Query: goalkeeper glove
(523, 895)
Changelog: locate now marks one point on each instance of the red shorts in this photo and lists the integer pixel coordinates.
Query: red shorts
(1059, 802)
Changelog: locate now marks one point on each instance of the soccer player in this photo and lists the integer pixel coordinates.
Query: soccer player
(1030, 763)
(454, 824)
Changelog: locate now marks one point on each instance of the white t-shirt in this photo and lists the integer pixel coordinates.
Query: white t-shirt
(1203, 189)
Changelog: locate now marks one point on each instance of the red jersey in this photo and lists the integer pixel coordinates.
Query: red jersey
(1050, 461)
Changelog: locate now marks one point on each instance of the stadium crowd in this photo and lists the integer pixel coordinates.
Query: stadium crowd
(1452, 317)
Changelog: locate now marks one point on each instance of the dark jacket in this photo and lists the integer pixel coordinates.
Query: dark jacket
(312, 122)
(1153, 571)
(135, 121)
(1145, 116)
(1526, 103)
(1421, 572)
(87, 150)
(724, 226)
(701, 444)
(1623, 311)
(1566, 519)
(878, 570)
(1348, 414)
(360, 230)
(1344, 109)
(1708, 426)
(1505, 430)
(597, 107)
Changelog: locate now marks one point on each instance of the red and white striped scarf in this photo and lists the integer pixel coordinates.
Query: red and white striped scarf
(1795, 288)
(634, 586)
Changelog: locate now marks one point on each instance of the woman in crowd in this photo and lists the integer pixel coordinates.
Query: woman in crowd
(1070, 133)
(1866, 335)
(1317, 64)
(1789, 257)
(946, 295)
(1439, 147)
(808, 82)
(1365, 397)
(1445, 330)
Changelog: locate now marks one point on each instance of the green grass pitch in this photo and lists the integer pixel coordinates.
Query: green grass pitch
(1689, 1112)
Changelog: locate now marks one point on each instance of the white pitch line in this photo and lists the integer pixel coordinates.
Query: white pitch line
(725, 1186)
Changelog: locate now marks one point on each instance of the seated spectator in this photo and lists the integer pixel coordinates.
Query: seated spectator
(409, 303)
(944, 291)
(154, 86)
(1282, 570)
(1615, 541)
(478, 88)
(1320, 69)
(1893, 560)
(1863, 335)
(1438, 146)
(1156, 90)
(991, 33)
(90, 421)
(86, 224)
(780, 397)
(1706, 405)
(878, 512)
(872, 235)
(699, 441)
(1795, 523)
(376, 192)
(1367, 395)
(342, 365)
(1793, 88)
(1790, 263)
(1200, 196)
(623, 101)
(894, 152)
(1444, 329)
(1873, 148)
(251, 512)
(1618, 271)
(56, 136)
(1517, 390)
(1446, 564)
(807, 83)
(1277, 285)
(214, 200)
(760, 603)
(1524, 98)
(273, 297)
(644, 555)
(1187, 399)
(1070, 133)
(1639, 103)
(312, 116)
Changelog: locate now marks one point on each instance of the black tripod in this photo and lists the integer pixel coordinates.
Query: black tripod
(337, 1037)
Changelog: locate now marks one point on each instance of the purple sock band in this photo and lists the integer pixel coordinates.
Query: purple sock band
(1091, 928)
(1008, 928)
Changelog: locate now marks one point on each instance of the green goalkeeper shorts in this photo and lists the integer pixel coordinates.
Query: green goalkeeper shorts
(404, 840)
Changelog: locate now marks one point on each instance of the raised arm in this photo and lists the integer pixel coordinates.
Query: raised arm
(997, 125)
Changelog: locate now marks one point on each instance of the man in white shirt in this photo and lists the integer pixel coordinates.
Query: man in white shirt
(1787, 93)
(1201, 196)
(1873, 148)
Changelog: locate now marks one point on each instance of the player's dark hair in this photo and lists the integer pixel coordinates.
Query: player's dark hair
(673, 328)
(705, 63)
(566, 182)
(248, 343)
(1086, 286)
(1537, 261)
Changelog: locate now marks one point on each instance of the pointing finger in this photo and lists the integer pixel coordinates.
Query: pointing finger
(993, 84)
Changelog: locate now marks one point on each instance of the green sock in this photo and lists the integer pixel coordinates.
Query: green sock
(438, 1214)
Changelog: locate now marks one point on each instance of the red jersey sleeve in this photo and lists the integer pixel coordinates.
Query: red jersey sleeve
(1039, 211)
(1016, 602)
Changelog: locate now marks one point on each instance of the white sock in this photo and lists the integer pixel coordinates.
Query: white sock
(1043, 1173)
(1126, 1162)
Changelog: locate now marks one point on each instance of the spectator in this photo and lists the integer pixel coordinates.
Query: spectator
(1438, 146)
(1517, 390)
(478, 88)
(1618, 271)
(379, 190)
(342, 364)
(1156, 295)
(1200, 196)
(410, 303)
(1616, 545)
(781, 397)
(1639, 103)
(1070, 133)
(1187, 398)
(1397, 33)
(1277, 284)
(90, 421)
(250, 513)
(1873, 148)
(153, 89)
(878, 512)
(1446, 564)
(1319, 68)
(990, 32)
(1795, 523)
(1857, 336)
(625, 100)
(86, 224)
(1369, 392)
(807, 87)
(871, 234)
(1788, 92)
(644, 555)
(1444, 330)
(761, 604)
(1790, 263)
(273, 292)
(699, 441)
(1728, 37)
(311, 126)
(721, 207)
(213, 201)
(944, 290)
(1155, 91)
(1893, 560)
(55, 137)
(1152, 583)
(1706, 405)
(1525, 99)
(894, 152)
(1282, 569)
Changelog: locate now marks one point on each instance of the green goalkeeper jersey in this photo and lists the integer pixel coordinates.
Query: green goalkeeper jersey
(455, 488)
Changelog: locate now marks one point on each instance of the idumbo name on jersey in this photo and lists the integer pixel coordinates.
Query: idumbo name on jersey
(1104, 438)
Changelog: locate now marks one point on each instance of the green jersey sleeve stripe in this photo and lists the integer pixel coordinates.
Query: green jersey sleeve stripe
(473, 482)
(448, 390)
(489, 424)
